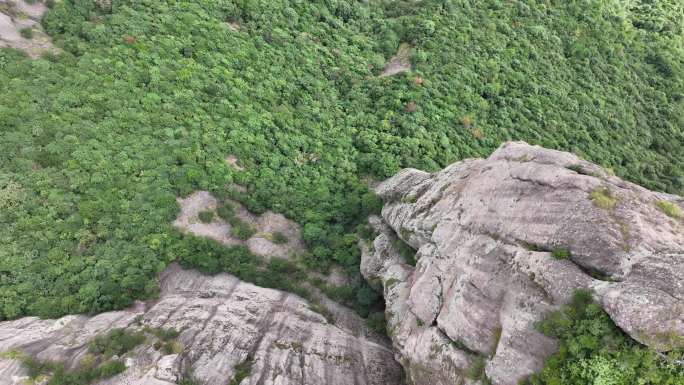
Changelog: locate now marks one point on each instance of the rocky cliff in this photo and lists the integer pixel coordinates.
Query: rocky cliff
(502, 241)
(225, 325)
(499, 243)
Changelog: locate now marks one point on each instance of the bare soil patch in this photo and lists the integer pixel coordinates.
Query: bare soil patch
(232, 162)
(400, 62)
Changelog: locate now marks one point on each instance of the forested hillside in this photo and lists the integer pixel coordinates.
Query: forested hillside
(148, 98)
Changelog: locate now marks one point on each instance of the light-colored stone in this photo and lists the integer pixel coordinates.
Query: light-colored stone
(484, 230)
(16, 15)
(265, 225)
(232, 160)
(400, 62)
(222, 322)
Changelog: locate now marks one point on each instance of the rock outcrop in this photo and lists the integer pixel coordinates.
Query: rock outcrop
(485, 232)
(20, 27)
(264, 225)
(223, 323)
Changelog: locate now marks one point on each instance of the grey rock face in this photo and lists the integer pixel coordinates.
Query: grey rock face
(16, 15)
(223, 322)
(485, 230)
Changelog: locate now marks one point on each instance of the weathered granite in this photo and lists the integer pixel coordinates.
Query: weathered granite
(484, 231)
(223, 322)
(16, 15)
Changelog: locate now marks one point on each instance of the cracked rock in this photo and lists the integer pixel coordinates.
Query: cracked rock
(223, 322)
(485, 231)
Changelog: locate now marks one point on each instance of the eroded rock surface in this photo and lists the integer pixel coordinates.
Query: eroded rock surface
(265, 226)
(18, 15)
(485, 230)
(223, 322)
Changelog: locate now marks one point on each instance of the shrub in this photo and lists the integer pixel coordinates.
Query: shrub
(171, 347)
(561, 254)
(241, 230)
(111, 368)
(26, 33)
(376, 321)
(670, 209)
(116, 342)
(226, 211)
(163, 334)
(279, 238)
(206, 216)
(86, 374)
(167, 340)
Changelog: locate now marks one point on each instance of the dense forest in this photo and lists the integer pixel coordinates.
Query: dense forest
(148, 97)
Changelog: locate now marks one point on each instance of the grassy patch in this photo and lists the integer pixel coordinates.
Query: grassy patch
(603, 198)
(670, 209)
(561, 254)
(580, 170)
(206, 216)
(242, 371)
(476, 371)
(189, 379)
(167, 340)
(406, 251)
(93, 367)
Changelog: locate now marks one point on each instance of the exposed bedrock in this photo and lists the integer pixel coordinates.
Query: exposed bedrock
(223, 323)
(485, 231)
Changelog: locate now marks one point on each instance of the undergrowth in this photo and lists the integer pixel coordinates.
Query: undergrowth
(592, 350)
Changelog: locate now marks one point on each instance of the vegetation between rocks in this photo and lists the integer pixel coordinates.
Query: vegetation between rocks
(242, 371)
(592, 350)
(670, 209)
(104, 359)
(603, 198)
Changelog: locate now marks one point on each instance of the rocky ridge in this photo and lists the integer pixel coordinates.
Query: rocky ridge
(502, 241)
(223, 324)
